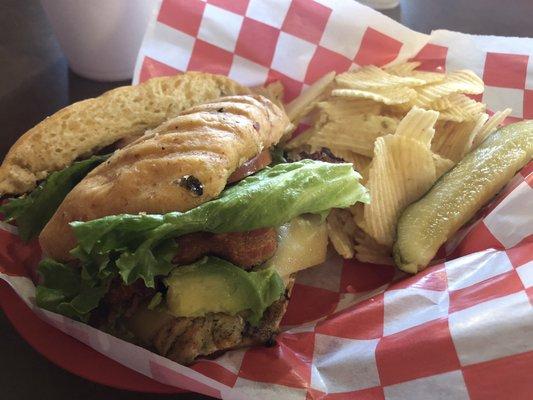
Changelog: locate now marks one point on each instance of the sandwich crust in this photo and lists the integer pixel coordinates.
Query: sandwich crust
(175, 167)
(83, 128)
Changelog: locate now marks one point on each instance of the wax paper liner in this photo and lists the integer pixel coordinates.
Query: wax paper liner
(461, 329)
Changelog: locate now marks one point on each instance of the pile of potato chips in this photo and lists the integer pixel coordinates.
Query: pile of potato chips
(402, 129)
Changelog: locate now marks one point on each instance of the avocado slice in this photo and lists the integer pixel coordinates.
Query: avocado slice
(212, 285)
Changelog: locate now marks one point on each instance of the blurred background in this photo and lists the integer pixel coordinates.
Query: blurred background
(34, 70)
(35, 81)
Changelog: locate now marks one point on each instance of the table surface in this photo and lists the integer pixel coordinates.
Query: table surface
(35, 82)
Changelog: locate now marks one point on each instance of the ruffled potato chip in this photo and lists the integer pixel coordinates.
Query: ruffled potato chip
(371, 256)
(338, 108)
(361, 163)
(389, 96)
(462, 108)
(442, 165)
(478, 126)
(418, 125)
(341, 231)
(454, 140)
(428, 77)
(370, 251)
(402, 69)
(490, 126)
(408, 69)
(358, 214)
(463, 81)
(401, 171)
(441, 104)
(300, 140)
(371, 77)
(398, 110)
(356, 133)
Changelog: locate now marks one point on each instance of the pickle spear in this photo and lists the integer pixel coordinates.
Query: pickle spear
(455, 198)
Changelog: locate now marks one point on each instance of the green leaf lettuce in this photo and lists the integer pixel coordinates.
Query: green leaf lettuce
(33, 211)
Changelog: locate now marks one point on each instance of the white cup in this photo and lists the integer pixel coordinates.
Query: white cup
(380, 4)
(100, 38)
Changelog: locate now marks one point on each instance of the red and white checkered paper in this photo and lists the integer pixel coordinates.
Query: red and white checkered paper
(461, 329)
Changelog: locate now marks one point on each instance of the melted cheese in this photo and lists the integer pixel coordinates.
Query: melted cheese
(302, 243)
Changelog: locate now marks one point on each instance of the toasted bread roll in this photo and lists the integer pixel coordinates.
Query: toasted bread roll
(177, 166)
(87, 126)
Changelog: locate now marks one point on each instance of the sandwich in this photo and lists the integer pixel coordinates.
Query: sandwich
(168, 216)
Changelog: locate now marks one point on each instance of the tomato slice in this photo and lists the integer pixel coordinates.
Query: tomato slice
(251, 166)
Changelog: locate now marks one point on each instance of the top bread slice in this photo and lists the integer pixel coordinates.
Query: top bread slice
(207, 142)
(81, 129)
